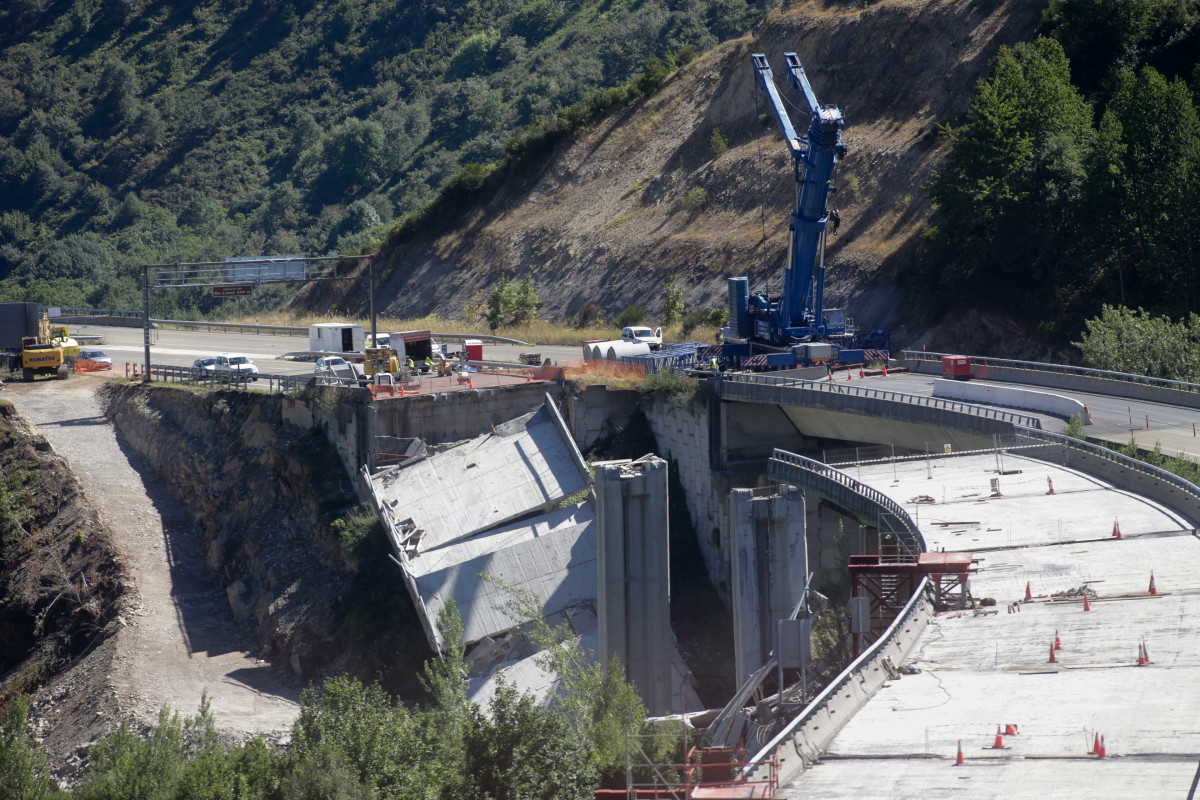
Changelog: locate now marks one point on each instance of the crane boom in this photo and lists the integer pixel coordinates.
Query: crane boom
(799, 313)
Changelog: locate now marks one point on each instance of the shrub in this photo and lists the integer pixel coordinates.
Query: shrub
(672, 301)
(633, 315)
(705, 318)
(589, 314)
(525, 302)
(694, 200)
(717, 144)
(501, 302)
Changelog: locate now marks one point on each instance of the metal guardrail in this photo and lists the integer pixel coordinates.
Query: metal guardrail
(830, 692)
(1059, 369)
(889, 506)
(886, 395)
(835, 477)
(243, 327)
(273, 384)
(1149, 470)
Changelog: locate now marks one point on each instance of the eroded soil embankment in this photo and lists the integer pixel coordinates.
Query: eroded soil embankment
(263, 494)
(61, 586)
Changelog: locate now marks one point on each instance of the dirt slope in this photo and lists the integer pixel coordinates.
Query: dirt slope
(178, 637)
(603, 222)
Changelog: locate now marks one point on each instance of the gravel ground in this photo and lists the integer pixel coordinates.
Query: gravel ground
(178, 638)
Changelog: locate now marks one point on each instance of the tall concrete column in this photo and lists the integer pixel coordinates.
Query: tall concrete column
(633, 576)
(770, 565)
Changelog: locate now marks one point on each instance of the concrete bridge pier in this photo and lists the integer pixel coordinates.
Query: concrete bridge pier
(770, 565)
(633, 576)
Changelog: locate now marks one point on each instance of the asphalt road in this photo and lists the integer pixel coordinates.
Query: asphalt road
(1114, 419)
(181, 348)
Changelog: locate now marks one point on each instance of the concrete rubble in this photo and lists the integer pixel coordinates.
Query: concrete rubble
(486, 520)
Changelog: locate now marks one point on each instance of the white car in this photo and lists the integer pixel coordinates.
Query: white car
(643, 335)
(335, 369)
(237, 366)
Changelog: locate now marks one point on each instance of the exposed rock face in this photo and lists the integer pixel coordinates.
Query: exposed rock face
(602, 220)
(263, 493)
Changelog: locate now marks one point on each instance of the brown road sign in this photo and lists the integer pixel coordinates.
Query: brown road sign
(232, 290)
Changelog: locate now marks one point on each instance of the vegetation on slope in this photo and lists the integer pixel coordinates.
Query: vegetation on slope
(1071, 182)
(138, 131)
(352, 740)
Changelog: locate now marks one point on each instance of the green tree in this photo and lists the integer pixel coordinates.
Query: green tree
(672, 301)
(1010, 193)
(694, 199)
(23, 773)
(355, 154)
(1140, 343)
(1143, 195)
(521, 751)
(526, 302)
(501, 301)
(717, 144)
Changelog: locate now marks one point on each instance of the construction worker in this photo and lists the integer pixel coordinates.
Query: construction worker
(408, 362)
(428, 364)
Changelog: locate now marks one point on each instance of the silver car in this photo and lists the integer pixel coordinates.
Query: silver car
(236, 366)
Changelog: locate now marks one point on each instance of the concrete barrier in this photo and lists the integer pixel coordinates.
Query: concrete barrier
(1009, 397)
(1056, 376)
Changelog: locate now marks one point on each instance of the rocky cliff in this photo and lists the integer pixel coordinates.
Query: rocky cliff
(603, 219)
(265, 495)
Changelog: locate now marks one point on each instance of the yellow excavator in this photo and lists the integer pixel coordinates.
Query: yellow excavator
(61, 336)
(41, 356)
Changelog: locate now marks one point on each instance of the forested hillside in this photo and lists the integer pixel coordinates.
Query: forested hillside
(136, 131)
(1072, 181)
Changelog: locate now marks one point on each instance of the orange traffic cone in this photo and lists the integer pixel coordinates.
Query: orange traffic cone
(958, 760)
(1057, 641)
(1116, 534)
(1086, 605)
(1146, 653)
(885, 370)
(1095, 751)
(1141, 656)
(1152, 590)
(999, 743)
(528, 376)
(1028, 592)
(1103, 748)
(1050, 483)
(849, 374)
(1052, 660)
(861, 374)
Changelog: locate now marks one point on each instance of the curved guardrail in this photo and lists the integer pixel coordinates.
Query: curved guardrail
(819, 704)
(835, 481)
(1183, 486)
(1058, 369)
(885, 395)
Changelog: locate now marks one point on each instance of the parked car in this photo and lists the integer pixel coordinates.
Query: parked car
(204, 368)
(236, 366)
(91, 360)
(335, 370)
(643, 335)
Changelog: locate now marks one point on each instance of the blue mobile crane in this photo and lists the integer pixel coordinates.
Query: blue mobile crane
(795, 328)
